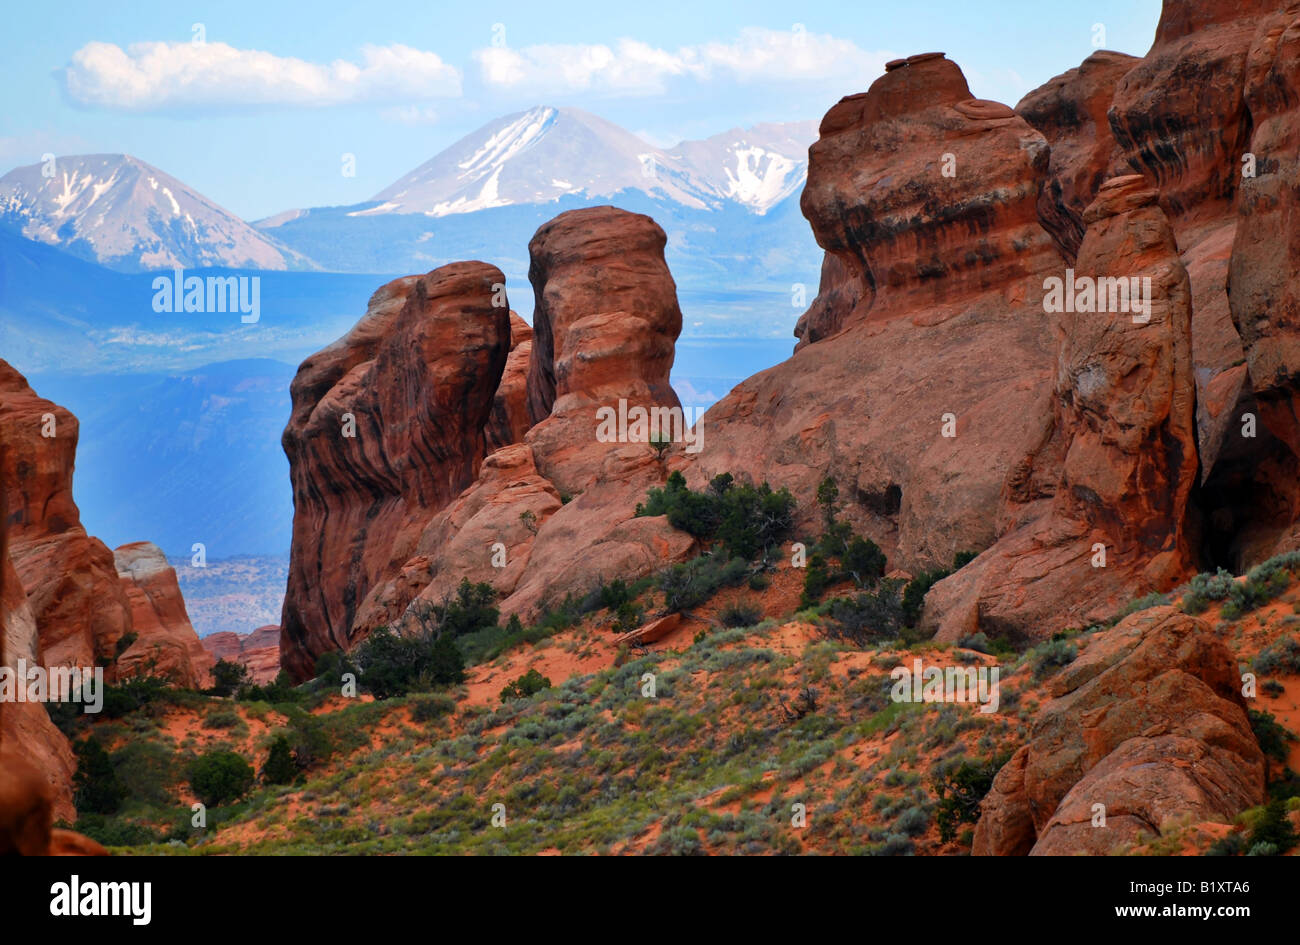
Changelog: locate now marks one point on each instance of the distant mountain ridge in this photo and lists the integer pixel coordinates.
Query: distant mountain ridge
(545, 153)
(124, 213)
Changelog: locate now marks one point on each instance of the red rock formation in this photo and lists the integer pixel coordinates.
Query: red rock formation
(1070, 111)
(1124, 444)
(936, 291)
(1179, 117)
(1265, 289)
(70, 579)
(387, 428)
(510, 419)
(258, 652)
(1148, 722)
(605, 329)
(165, 642)
(606, 321)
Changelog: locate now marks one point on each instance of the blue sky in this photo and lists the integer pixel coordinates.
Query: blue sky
(258, 116)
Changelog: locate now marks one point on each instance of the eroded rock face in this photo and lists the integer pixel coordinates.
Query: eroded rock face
(414, 383)
(606, 322)
(551, 510)
(165, 644)
(1179, 117)
(1070, 111)
(71, 583)
(1265, 288)
(1124, 447)
(1148, 722)
(926, 200)
(510, 419)
(36, 761)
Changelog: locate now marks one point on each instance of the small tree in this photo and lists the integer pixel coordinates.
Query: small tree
(279, 767)
(229, 678)
(220, 776)
(98, 789)
(660, 443)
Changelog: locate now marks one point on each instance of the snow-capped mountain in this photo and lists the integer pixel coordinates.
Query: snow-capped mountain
(546, 153)
(119, 211)
(757, 167)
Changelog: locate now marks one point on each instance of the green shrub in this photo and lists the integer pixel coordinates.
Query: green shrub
(280, 690)
(689, 583)
(97, 789)
(229, 678)
(134, 694)
(1263, 583)
(279, 767)
(1281, 657)
(468, 611)
(1206, 588)
(914, 594)
(816, 579)
(530, 683)
(740, 614)
(222, 719)
(219, 777)
(960, 792)
(1052, 655)
(393, 665)
(1271, 735)
(746, 520)
(427, 708)
(877, 615)
(1274, 829)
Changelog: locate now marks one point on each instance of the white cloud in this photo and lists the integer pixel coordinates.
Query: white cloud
(163, 76)
(634, 67)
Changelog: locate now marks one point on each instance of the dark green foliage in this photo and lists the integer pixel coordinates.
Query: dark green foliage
(470, 610)
(309, 741)
(816, 578)
(740, 614)
(919, 586)
(280, 767)
(1274, 829)
(627, 617)
(1271, 735)
(229, 678)
(869, 615)
(863, 561)
(96, 785)
(277, 692)
(136, 693)
(614, 594)
(746, 520)
(530, 683)
(427, 708)
(219, 777)
(961, 791)
(914, 594)
(393, 665)
(690, 583)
